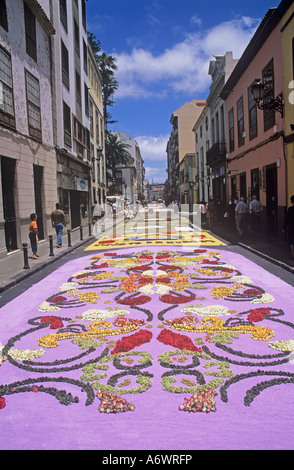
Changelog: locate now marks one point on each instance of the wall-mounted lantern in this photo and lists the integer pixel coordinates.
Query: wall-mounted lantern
(257, 89)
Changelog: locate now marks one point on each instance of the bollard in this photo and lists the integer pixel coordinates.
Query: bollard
(168, 224)
(81, 233)
(157, 224)
(25, 256)
(51, 245)
(68, 237)
(89, 229)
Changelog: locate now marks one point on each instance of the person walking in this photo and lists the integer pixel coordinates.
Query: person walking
(210, 212)
(241, 213)
(58, 222)
(289, 225)
(33, 232)
(255, 210)
(203, 208)
(231, 213)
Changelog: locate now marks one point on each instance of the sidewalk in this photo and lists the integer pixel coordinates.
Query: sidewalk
(12, 269)
(268, 247)
(12, 266)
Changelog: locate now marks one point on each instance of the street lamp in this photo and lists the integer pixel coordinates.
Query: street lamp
(257, 89)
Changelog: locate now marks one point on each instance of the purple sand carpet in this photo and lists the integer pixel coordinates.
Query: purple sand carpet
(48, 396)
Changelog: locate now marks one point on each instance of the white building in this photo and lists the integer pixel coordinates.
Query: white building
(71, 123)
(219, 70)
(28, 162)
(202, 130)
(130, 178)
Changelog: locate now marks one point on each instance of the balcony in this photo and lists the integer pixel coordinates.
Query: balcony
(216, 155)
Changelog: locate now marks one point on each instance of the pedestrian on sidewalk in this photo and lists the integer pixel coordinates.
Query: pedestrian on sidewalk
(203, 208)
(33, 232)
(231, 213)
(58, 222)
(218, 210)
(210, 212)
(289, 225)
(255, 210)
(241, 214)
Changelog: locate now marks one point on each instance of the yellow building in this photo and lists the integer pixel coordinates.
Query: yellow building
(187, 174)
(97, 144)
(288, 65)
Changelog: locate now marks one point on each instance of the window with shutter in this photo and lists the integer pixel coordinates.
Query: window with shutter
(30, 32)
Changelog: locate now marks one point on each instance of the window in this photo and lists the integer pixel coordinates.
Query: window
(252, 109)
(6, 94)
(240, 121)
(3, 15)
(91, 118)
(231, 130)
(78, 88)
(268, 81)
(33, 105)
(30, 31)
(255, 183)
(97, 125)
(63, 13)
(85, 57)
(84, 18)
(76, 38)
(66, 125)
(86, 99)
(64, 65)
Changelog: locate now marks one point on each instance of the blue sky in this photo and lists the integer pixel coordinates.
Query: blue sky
(163, 49)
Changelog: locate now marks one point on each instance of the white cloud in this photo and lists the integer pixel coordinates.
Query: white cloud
(153, 149)
(195, 20)
(154, 175)
(184, 66)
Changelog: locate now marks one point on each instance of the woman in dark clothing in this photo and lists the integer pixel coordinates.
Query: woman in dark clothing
(231, 212)
(289, 225)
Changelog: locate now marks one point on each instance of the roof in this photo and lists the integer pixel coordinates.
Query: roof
(41, 16)
(265, 28)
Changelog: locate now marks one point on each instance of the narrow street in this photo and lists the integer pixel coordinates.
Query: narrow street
(151, 335)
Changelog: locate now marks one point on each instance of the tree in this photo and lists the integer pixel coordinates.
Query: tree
(107, 66)
(116, 154)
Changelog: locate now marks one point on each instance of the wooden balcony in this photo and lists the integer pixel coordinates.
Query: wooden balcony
(216, 155)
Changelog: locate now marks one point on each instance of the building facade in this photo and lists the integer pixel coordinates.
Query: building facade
(27, 156)
(256, 162)
(202, 130)
(180, 143)
(288, 68)
(187, 174)
(71, 111)
(219, 70)
(97, 143)
(130, 178)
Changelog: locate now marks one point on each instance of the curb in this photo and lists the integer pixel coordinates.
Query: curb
(30, 272)
(268, 258)
(281, 264)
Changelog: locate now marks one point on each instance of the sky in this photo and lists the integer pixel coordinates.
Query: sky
(162, 50)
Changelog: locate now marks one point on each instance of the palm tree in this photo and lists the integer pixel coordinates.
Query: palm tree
(107, 67)
(116, 154)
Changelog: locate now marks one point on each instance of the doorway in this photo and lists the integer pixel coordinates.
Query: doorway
(272, 199)
(75, 209)
(38, 185)
(8, 186)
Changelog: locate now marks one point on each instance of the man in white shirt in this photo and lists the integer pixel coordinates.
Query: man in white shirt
(241, 214)
(255, 209)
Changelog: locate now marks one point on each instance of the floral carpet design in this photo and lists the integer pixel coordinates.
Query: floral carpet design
(113, 346)
(153, 238)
